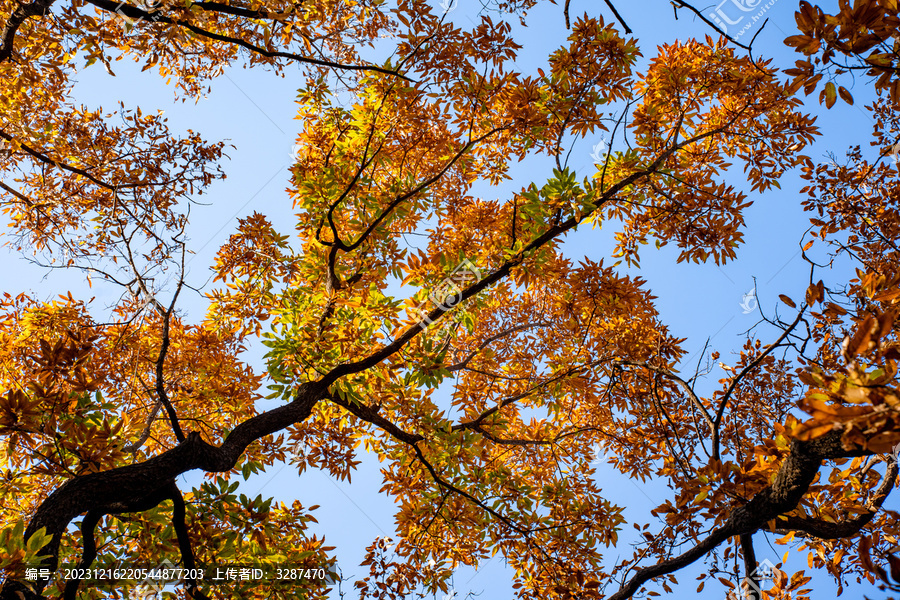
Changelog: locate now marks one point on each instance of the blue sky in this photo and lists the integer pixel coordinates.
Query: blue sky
(254, 111)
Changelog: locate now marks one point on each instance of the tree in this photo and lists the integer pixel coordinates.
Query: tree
(486, 390)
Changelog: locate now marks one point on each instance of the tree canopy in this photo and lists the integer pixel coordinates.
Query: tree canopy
(481, 363)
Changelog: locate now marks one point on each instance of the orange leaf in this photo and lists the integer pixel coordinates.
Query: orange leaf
(787, 300)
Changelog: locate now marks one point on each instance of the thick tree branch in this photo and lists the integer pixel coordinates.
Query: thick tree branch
(261, 13)
(179, 515)
(17, 194)
(88, 553)
(128, 488)
(88, 526)
(792, 481)
(370, 415)
(750, 575)
(825, 530)
(38, 8)
(553, 232)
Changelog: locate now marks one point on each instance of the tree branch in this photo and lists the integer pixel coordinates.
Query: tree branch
(554, 231)
(261, 13)
(791, 482)
(38, 8)
(750, 575)
(145, 434)
(614, 11)
(160, 380)
(17, 194)
(88, 553)
(370, 415)
(462, 364)
(695, 400)
(720, 413)
(128, 488)
(179, 515)
(699, 13)
(133, 12)
(825, 530)
(65, 166)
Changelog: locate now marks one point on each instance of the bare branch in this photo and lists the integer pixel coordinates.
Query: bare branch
(160, 380)
(462, 364)
(681, 382)
(740, 376)
(614, 11)
(679, 3)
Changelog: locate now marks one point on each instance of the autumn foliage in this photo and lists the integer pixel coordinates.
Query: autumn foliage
(483, 400)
